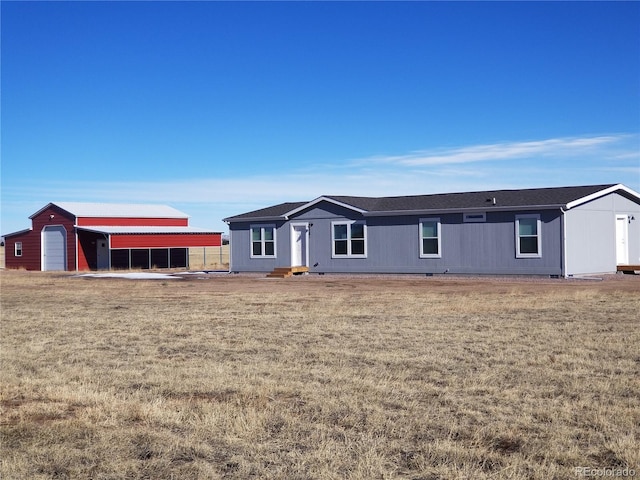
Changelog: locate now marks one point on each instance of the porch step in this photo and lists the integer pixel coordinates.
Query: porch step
(284, 272)
(630, 269)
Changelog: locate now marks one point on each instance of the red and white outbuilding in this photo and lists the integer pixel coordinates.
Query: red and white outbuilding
(100, 236)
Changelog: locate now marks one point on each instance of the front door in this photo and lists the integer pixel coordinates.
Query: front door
(102, 254)
(622, 240)
(300, 245)
(54, 248)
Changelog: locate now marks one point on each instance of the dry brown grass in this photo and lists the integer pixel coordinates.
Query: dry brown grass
(317, 377)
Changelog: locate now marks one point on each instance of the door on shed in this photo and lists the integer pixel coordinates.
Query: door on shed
(300, 245)
(622, 240)
(54, 248)
(102, 253)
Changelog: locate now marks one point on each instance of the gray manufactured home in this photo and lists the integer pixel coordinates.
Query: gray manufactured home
(563, 231)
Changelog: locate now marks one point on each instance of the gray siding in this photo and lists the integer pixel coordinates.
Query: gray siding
(240, 248)
(591, 235)
(393, 245)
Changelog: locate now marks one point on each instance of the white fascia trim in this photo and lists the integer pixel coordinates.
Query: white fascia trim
(602, 193)
(323, 199)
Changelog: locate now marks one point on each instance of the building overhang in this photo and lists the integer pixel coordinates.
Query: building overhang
(19, 232)
(109, 230)
(492, 208)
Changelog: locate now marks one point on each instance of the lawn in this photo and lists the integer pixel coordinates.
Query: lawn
(318, 377)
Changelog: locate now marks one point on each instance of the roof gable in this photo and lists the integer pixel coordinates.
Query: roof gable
(340, 201)
(123, 210)
(622, 189)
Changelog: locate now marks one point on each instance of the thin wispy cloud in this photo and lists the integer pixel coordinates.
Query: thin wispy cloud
(558, 147)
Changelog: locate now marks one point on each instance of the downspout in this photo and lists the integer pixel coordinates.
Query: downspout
(564, 242)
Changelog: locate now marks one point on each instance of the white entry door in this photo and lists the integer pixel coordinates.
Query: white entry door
(102, 251)
(54, 248)
(300, 245)
(622, 240)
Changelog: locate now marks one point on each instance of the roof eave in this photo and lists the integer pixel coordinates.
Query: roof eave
(492, 208)
(111, 230)
(19, 232)
(272, 218)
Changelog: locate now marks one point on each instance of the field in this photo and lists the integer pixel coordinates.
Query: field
(318, 377)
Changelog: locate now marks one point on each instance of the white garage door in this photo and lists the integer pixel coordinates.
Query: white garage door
(54, 250)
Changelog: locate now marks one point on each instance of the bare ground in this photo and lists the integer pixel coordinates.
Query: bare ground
(329, 377)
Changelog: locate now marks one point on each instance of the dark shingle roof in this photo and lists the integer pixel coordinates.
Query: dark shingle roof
(484, 199)
(542, 197)
(269, 212)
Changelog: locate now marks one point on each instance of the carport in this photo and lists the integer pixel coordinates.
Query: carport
(106, 248)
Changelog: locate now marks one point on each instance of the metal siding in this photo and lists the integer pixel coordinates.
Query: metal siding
(32, 240)
(165, 241)
(30, 259)
(591, 236)
(622, 206)
(87, 250)
(132, 222)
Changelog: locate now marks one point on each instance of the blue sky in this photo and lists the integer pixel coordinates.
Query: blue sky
(218, 108)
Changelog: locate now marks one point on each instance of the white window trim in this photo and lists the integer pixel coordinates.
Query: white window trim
(538, 236)
(474, 217)
(430, 255)
(263, 241)
(333, 239)
(16, 249)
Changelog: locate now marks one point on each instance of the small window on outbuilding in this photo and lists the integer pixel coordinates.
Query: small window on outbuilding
(18, 249)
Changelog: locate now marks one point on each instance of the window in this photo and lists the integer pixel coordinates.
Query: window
(18, 249)
(263, 241)
(528, 236)
(430, 238)
(349, 239)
